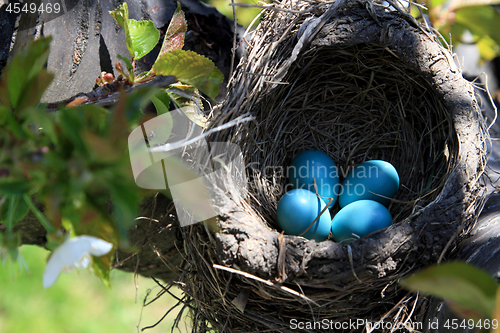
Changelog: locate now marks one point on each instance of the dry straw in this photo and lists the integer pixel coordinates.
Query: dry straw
(359, 81)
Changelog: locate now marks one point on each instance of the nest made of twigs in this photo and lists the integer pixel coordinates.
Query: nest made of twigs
(358, 81)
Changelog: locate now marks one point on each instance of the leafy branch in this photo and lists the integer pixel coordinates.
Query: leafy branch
(76, 162)
(190, 68)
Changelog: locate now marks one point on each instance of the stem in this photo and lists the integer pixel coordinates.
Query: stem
(46, 224)
(131, 72)
(145, 78)
(11, 213)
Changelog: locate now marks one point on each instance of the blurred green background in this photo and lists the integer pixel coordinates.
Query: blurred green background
(77, 302)
(244, 15)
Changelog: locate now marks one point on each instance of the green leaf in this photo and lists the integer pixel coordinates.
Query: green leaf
(45, 121)
(93, 117)
(5, 115)
(19, 210)
(211, 85)
(127, 62)
(141, 36)
(457, 282)
(120, 14)
(14, 187)
(465, 311)
(102, 267)
(161, 103)
(100, 148)
(144, 37)
(136, 101)
(125, 197)
(174, 37)
(190, 68)
(46, 224)
(20, 74)
(72, 128)
(34, 90)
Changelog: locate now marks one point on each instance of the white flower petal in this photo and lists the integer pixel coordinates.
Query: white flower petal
(98, 247)
(83, 262)
(74, 252)
(52, 271)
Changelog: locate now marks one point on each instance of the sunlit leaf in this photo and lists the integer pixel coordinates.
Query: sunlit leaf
(457, 282)
(174, 37)
(144, 37)
(120, 14)
(191, 68)
(435, 3)
(141, 36)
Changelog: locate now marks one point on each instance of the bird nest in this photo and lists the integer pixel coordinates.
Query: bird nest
(358, 81)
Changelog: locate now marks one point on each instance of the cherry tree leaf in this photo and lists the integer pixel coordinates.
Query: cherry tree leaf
(141, 36)
(174, 37)
(462, 285)
(25, 75)
(144, 37)
(190, 68)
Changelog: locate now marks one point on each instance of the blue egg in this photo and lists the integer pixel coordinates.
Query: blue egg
(315, 164)
(359, 219)
(297, 209)
(371, 180)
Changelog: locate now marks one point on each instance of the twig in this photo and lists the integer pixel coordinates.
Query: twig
(267, 282)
